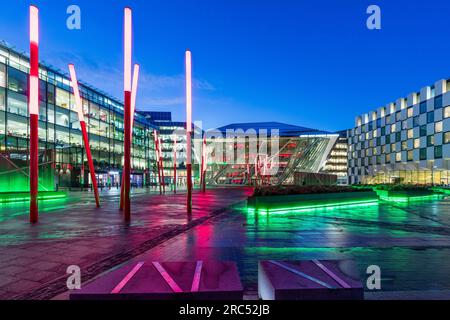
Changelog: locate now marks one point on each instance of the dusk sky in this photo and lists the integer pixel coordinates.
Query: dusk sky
(308, 63)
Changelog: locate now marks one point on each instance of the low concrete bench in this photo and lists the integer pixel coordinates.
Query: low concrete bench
(202, 280)
(309, 280)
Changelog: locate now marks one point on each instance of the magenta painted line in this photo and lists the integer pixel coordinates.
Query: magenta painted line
(197, 275)
(172, 284)
(127, 278)
(332, 274)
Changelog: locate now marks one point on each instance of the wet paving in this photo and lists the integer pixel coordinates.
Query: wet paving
(34, 258)
(409, 242)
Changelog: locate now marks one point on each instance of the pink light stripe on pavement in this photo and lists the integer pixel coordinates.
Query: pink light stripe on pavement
(127, 278)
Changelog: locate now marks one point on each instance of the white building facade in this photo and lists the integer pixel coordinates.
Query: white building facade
(406, 142)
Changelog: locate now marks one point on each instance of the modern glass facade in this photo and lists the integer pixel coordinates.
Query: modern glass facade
(61, 152)
(170, 130)
(292, 150)
(337, 160)
(404, 142)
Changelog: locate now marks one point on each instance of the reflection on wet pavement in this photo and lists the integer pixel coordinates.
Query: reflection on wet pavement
(410, 243)
(74, 232)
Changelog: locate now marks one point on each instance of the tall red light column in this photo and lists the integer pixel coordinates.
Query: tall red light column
(155, 135)
(188, 61)
(161, 165)
(133, 108)
(127, 113)
(175, 164)
(33, 107)
(204, 166)
(79, 106)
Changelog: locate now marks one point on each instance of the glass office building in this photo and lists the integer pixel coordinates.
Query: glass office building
(311, 155)
(170, 130)
(61, 152)
(404, 142)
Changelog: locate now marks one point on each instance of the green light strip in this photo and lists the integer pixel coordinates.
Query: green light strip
(24, 198)
(408, 199)
(314, 207)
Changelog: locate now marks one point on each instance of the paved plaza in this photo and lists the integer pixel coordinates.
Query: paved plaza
(34, 258)
(409, 242)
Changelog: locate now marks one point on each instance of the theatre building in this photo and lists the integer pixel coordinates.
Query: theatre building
(62, 161)
(407, 141)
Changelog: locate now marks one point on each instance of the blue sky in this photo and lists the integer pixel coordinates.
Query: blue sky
(310, 63)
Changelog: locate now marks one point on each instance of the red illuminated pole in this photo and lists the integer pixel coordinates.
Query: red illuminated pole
(188, 129)
(79, 107)
(175, 164)
(155, 134)
(33, 106)
(133, 108)
(201, 170)
(127, 112)
(204, 166)
(163, 178)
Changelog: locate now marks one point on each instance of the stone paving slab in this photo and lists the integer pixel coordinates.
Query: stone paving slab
(34, 258)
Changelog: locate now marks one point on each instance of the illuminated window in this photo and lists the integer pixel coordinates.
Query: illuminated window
(2, 75)
(410, 112)
(430, 141)
(404, 146)
(416, 143)
(410, 156)
(447, 137)
(17, 103)
(393, 149)
(398, 157)
(62, 98)
(447, 112)
(17, 81)
(410, 133)
(2, 99)
(438, 127)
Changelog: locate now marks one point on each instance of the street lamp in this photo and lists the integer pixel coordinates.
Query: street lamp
(188, 60)
(33, 107)
(127, 112)
(79, 107)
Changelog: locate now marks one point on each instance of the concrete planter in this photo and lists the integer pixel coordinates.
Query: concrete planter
(388, 194)
(310, 200)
